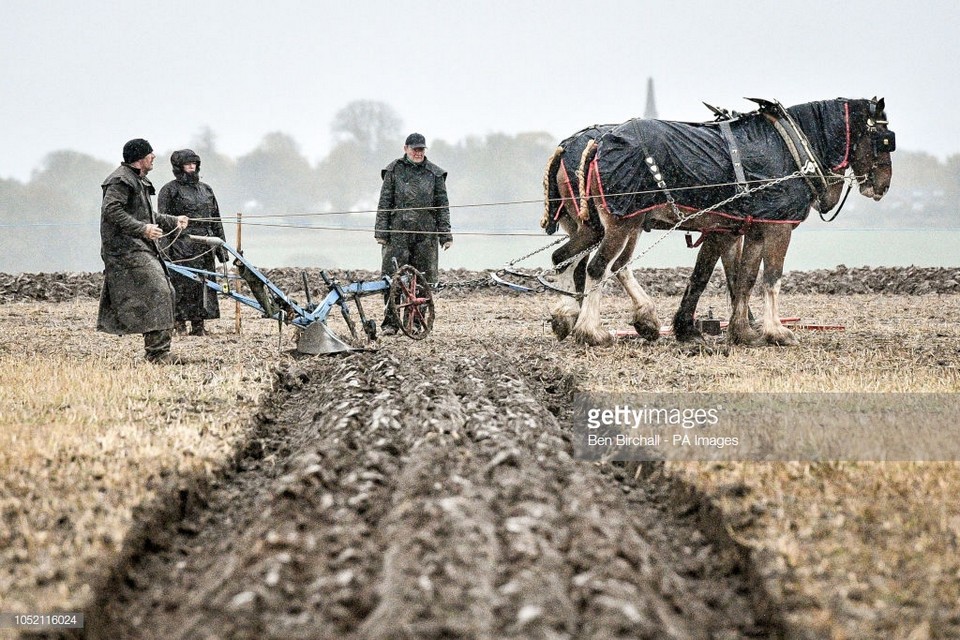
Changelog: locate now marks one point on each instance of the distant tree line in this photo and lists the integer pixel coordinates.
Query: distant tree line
(58, 207)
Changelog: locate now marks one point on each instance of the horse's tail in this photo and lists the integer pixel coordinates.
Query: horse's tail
(583, 175)
(551, 193)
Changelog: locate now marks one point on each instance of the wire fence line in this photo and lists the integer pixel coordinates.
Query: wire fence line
(246, 218)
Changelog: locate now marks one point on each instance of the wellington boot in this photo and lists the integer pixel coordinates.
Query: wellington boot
(166, 358)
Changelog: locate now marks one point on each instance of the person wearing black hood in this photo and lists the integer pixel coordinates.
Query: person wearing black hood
(136, 296)
(187, 196)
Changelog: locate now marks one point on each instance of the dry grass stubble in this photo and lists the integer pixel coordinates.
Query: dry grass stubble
(88, 431)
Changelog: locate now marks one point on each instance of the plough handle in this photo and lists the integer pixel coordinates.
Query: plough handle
(213, 241)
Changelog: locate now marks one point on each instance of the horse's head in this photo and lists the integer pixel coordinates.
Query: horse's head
(872, 143)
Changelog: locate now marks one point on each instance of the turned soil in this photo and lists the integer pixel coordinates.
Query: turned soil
(428, 489)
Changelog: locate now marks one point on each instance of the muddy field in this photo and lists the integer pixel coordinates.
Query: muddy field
(428, 489)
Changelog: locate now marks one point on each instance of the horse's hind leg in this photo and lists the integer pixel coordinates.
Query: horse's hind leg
(715, 245)
(645, 320)
(616, 233)
(730, 258)
(739, 330)
(775, 243)
(564, 314)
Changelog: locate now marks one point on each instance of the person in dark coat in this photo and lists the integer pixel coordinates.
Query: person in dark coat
(413, 215)
(186, 195)
(137, 296)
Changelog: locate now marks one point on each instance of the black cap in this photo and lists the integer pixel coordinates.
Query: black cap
(416, 141)
(136, 149)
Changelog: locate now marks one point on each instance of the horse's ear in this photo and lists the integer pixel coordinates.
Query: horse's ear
(880, 106)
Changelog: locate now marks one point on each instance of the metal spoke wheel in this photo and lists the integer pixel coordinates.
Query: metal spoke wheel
(412, 302)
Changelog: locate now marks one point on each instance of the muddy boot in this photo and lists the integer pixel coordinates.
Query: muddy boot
(156, 346)
(388, 330)
(180, 327)
(166, 358)
(196, 328)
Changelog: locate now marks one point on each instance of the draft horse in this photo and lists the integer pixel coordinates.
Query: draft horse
(562, 209)
(757, 177)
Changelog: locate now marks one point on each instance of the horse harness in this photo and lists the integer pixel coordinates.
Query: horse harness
(799, 147)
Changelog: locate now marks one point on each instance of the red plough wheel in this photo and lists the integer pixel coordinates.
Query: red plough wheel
(412, 302)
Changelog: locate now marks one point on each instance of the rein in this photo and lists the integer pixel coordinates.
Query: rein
(846, 191)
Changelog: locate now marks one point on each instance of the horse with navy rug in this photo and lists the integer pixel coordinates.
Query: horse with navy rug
(561, 189)
(756, 176)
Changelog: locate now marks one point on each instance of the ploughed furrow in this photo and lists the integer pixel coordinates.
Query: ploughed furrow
(429, 497)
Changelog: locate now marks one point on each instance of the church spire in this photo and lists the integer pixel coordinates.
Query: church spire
(650, 112)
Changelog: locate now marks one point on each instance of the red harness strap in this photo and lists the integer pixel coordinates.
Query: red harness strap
(739, 231)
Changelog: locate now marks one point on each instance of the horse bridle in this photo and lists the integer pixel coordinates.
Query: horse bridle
(881, 140)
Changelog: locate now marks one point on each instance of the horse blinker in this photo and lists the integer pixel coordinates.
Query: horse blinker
(883, 141)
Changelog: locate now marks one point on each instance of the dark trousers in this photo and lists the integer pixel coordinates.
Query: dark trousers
(156, 343)
(419, 251)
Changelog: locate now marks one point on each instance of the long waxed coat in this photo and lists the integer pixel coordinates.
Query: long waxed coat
(136, 295)
(413, 215)
(194, 199)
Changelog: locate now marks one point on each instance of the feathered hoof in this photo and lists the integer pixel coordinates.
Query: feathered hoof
(647, 328)
(689, 336)
(598, 338)
(784, 338)
(562, 326)
(744, 336)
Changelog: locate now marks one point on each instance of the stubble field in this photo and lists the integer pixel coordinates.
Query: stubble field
(428, 489)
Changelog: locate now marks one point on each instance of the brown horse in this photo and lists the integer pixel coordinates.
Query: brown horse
(651, 174)
(562, 209)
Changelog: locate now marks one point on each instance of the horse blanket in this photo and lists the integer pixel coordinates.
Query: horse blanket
(695, 163)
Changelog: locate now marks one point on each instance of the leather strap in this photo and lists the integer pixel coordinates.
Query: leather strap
(734, 155)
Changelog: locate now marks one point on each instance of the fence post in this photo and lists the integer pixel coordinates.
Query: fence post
(236, 308)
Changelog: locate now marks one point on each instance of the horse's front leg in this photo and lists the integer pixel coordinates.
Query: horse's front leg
(644, 320)
(587, 329)
(775, 244)
(714, 245)
(739, 331)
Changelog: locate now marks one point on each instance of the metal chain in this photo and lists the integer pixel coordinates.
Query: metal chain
(535, 252)
(462, 284)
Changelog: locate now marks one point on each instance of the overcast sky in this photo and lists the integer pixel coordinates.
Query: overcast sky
(90, 75)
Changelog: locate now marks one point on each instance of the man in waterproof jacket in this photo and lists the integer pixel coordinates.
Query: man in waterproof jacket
(413, 216)
(187, 196)
(137, 296)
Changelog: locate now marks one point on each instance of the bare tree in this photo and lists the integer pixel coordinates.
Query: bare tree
(371, 124)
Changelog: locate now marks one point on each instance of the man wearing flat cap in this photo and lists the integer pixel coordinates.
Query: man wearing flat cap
(136, 295)
(413, 216)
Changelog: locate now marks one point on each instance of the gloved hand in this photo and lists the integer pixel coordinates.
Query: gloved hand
(381, 241)
(446, 245)
(222, 254)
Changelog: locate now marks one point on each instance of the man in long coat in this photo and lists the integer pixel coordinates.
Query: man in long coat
(413, 215)
(187, 195)
(136, 295)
